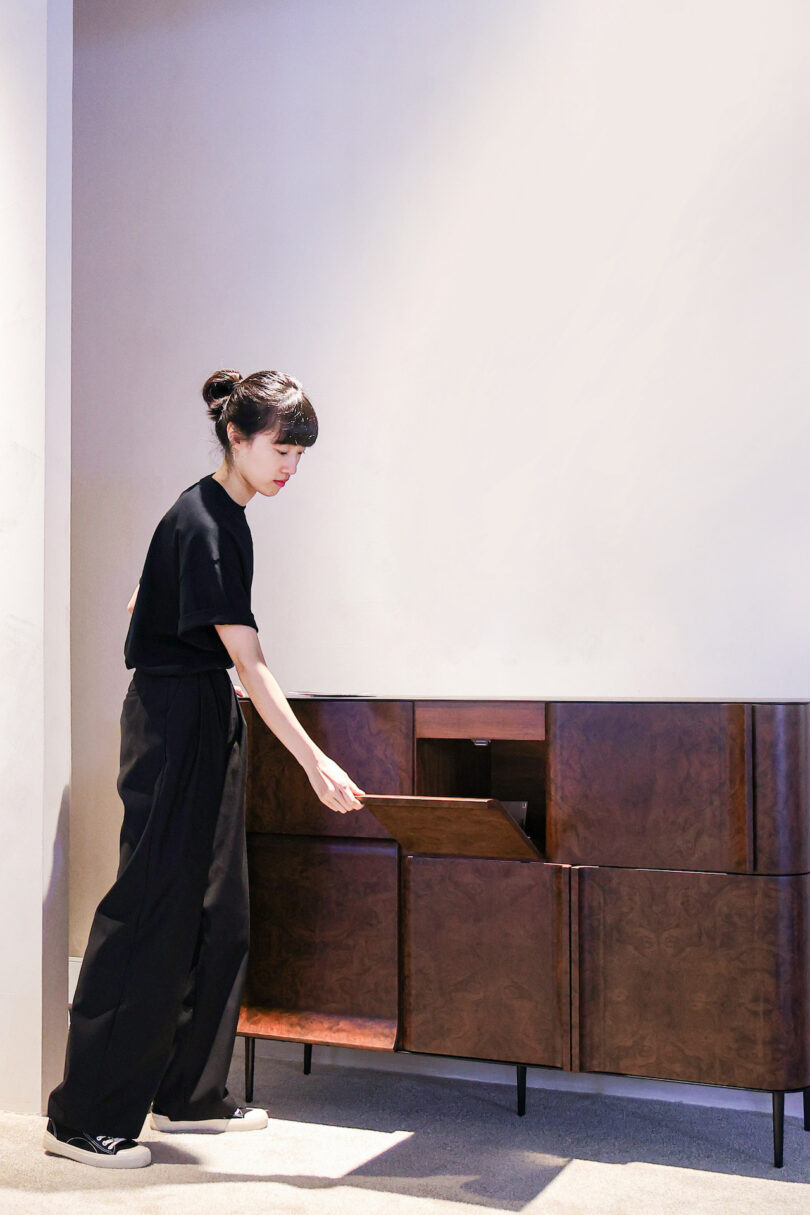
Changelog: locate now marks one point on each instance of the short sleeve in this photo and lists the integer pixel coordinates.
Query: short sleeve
(214, 584)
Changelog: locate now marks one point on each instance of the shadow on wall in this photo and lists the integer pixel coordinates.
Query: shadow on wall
(117, 20)
(55, 906)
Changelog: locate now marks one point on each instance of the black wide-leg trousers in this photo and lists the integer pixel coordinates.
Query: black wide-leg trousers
(157, 1000)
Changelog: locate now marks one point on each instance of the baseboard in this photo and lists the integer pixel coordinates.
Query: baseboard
(502, 1073)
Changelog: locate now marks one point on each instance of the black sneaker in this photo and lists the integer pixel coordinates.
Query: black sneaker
(103, 1151)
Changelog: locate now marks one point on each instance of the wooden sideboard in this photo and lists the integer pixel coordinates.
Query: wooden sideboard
(617, 887)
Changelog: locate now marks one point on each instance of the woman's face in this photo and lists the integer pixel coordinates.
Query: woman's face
(265, 464)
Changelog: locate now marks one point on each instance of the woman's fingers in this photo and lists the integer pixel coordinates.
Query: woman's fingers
(332, 797)
(345, 801)
(345, 798)
(335, 787)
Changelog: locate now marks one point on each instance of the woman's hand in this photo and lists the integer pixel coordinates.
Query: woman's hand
(335, 789)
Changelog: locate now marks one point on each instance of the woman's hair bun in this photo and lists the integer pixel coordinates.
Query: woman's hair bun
(217, 388)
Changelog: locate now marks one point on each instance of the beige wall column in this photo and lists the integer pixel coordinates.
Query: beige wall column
(36, 66)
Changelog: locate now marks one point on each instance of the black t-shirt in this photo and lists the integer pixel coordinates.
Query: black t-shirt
(198, 573)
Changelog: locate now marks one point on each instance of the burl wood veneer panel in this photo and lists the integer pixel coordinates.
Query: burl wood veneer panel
(651, 786)
(453, 827)
(323, 1029)
(485, 959)
(700, 977)
(782, 790)
(323, 953)
(515, 719)
(371, 740)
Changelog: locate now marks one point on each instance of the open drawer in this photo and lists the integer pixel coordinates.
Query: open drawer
(452, 826)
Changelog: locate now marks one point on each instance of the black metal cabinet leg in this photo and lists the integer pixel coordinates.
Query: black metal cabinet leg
(307, 1058)
(778, 1128)
(250, 1059)
(806, 1096)
(521, 1088)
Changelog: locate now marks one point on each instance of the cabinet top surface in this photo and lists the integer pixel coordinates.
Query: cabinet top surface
(508, 700)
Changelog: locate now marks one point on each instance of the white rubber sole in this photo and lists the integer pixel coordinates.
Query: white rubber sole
(132, 1158)
(254, 1120)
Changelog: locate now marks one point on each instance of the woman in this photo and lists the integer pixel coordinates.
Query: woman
(157, 1000)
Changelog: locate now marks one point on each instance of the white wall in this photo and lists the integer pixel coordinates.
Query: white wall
(541, 268)
(35, 163)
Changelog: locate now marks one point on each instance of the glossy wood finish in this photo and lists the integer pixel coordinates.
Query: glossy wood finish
(454, 827)
(323, 956)
(477, 980)
(693, 976)
(325, 1029)
(782, 769)
(514, 719)
(664, 786)
(371, 740)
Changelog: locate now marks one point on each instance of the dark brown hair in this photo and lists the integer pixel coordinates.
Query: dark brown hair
(265, 400)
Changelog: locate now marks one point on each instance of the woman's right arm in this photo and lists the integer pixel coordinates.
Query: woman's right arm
(332, 785)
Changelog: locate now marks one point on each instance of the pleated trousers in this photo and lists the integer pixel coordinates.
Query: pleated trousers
(157, 999)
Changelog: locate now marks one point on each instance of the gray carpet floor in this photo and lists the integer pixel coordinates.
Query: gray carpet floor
(352, 1141)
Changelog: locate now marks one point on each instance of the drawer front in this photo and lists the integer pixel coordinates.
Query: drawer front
(652, 786)
(485, 959)
(701, 977)
(371, 740)
(513, 719)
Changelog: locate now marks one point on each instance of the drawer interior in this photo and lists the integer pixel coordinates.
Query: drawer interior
(511, 770)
